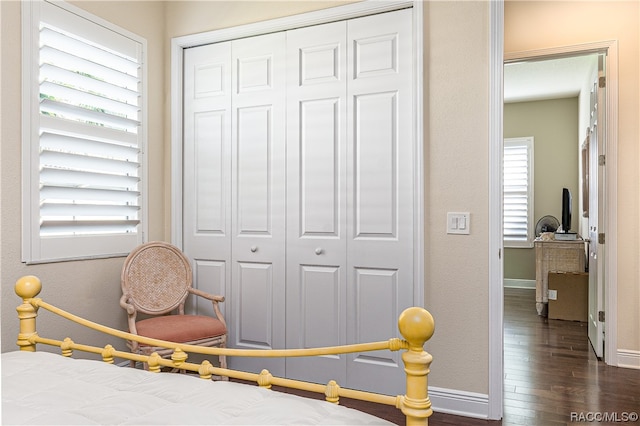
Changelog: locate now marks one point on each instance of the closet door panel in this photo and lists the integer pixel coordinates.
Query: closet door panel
(255, 189)
(376, 293)
(316, 216)
(320, 296)
(319, 164)
(257, 286)
(208, 155)
(375, 173)
(379, 192)
(206, 167)
(254, 287)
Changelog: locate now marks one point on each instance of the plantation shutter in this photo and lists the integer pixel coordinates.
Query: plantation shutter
(518, 192)
(90, 138)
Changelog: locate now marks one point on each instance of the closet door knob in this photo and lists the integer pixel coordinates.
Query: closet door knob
(319, 250)
(254, 249)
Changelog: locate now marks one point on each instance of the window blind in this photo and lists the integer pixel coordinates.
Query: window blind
(88, 151)
(518, 192)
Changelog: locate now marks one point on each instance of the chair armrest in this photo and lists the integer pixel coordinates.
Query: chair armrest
(131, 321)
(214, 301)
(212, 297)
(124, 302)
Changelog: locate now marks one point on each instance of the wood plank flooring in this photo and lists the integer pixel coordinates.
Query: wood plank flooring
(550, 372)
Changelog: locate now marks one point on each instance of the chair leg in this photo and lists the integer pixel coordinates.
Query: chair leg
(223, 362)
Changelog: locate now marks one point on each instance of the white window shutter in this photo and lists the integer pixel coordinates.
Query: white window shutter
(87, 190)
(518, 192)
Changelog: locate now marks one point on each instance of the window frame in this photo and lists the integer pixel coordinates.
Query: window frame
(46, 249)
(528, 144)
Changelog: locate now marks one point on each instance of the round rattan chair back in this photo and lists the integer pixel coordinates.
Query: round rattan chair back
(156, 277)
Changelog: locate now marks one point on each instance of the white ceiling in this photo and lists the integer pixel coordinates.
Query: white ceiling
(547, 79)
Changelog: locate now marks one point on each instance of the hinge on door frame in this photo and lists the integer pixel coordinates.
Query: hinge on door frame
(602, 82)
(601, 238)
(601, 160)
(601, 316)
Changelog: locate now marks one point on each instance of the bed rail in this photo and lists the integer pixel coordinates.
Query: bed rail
(416, 325)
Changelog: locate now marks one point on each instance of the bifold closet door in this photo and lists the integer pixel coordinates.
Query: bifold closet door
(380, 154)
(207, 169)
(350, 151)
(257, 293)
(234, 187)
(298, 191)
(316, 198)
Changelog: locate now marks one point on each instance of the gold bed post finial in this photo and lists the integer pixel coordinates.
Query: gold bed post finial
(417, 326)
(27, 288)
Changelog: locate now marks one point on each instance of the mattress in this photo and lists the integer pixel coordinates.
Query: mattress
(44, 388)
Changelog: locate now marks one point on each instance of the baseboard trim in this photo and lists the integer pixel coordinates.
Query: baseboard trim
(459, 403)
(517, 283)
(628, 359)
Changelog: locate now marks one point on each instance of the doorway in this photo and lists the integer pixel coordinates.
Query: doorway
(550, 101)
(531, 85)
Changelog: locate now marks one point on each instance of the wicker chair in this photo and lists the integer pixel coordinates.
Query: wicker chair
(156, 280)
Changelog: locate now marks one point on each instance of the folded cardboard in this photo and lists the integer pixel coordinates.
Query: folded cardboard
(568, 296)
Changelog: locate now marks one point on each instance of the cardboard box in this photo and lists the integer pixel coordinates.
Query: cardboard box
(569, 296)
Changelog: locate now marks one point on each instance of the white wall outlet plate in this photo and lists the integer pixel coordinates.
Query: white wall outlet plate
(553, 295)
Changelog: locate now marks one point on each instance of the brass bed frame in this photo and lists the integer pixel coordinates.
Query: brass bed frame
(415, 324)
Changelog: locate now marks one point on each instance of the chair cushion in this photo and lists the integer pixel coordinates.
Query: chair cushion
(181, 328)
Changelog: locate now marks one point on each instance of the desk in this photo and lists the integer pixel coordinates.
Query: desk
(555, 256)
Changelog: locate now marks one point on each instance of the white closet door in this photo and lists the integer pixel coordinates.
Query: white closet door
(379, 193)
(338, 194)
(316, 195)
(257, 293)
(207, 169)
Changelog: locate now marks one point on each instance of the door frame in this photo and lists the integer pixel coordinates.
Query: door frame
(495, 244)
(354, 10)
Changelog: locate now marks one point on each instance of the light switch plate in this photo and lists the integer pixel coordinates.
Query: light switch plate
(458, 223)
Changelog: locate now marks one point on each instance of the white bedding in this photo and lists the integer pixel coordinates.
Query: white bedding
(45, 388)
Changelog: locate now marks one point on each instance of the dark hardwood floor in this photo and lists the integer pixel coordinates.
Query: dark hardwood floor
(551, 376)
